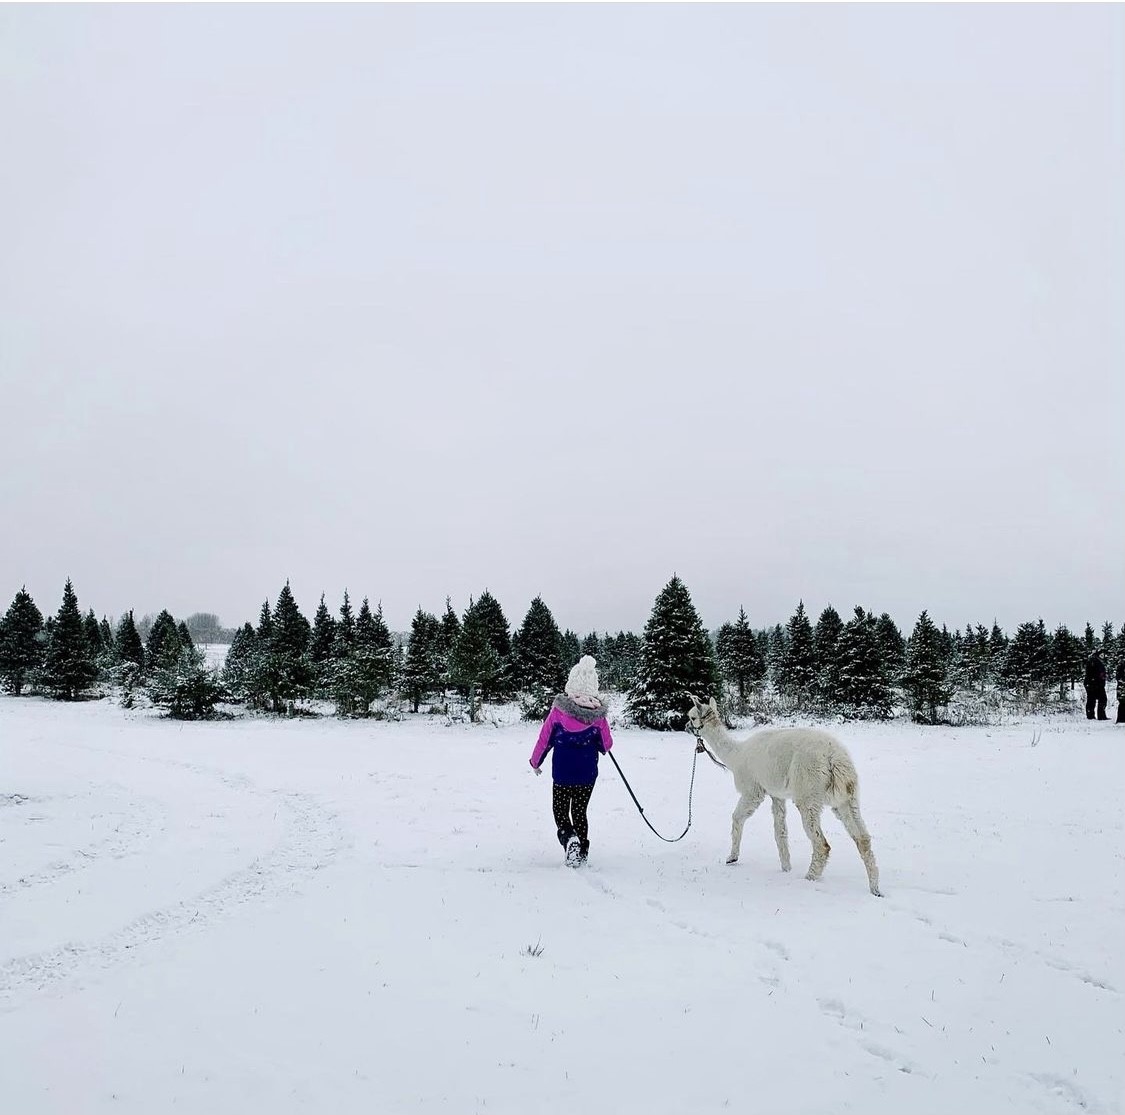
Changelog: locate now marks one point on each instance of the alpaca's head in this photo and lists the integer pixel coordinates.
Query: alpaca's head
(700, 714)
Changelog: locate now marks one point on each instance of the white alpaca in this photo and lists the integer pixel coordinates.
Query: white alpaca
(803, 764)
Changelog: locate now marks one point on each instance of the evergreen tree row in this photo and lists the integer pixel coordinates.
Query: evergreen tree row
(63, 656)
(863, 667)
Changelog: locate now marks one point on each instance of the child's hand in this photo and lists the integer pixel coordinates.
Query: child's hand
(538, 770)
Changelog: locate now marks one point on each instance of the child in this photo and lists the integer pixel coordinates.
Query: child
(577, 730)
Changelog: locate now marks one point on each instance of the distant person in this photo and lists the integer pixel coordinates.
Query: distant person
(1120, 690)
(577, 730)
(1095, 687)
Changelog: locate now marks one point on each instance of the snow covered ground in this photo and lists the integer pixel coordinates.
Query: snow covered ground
(277, 916)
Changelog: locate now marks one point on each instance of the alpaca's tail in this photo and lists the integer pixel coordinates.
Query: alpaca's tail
(843, 782)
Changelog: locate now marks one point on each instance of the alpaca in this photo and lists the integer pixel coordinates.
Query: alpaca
(809, 766)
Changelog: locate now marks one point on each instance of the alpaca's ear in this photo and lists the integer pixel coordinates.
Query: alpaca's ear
(694, 699)
(714, 707)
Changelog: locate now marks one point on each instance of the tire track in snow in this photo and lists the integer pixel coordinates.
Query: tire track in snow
(311, 839)
(141, 819)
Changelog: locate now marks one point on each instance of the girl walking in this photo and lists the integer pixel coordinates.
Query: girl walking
(577, 731)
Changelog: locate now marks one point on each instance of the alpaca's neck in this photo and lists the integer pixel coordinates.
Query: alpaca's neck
(724, 745)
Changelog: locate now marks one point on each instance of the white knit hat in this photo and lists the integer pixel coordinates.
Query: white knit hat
(583, 678)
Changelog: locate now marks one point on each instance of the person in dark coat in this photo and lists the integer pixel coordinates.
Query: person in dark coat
(1121, 689)
(1095, 687)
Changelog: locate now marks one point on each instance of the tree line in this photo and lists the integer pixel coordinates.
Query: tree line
(862, 667)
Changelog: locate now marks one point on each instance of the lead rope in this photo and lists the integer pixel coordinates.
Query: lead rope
(700, 746)
(641, 809)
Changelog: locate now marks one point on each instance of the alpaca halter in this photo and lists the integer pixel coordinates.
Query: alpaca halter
(701, 748)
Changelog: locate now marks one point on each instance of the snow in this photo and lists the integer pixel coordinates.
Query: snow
(214, 654)
(311, 915)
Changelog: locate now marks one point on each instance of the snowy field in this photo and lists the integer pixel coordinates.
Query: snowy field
(315, 916)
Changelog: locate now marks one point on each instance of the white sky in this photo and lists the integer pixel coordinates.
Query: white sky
(799, 301)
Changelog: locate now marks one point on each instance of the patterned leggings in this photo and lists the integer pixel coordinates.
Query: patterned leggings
(569, 805)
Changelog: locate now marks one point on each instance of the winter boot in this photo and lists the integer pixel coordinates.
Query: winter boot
(584, 851)
(573, 852)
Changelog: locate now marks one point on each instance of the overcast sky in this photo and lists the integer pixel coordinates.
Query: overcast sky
(796, 301)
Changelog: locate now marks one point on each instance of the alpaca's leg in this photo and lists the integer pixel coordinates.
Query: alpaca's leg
(810, 818)
(746, 805)
(781, 833)
(857, 830)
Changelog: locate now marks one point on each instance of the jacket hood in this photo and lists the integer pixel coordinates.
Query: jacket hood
(572, 708)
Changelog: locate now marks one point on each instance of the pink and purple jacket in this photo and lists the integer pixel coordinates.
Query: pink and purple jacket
(577, 736)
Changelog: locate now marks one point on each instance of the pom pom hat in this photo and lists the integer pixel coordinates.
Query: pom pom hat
(583, 679)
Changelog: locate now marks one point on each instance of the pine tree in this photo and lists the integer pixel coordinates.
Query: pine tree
(92, 631)
(925, 678)
(239, 666)
(738, 657)
(423, 669)
(826, 642)
(969, 666)
(1108, 643)
(500, 685)
(107, 639)
(1042, 670)
(1089, 638)
(389, 652)
(289, 643)
(398, 662)
(450, 628)
(997, 647)
(592, 646)
(186, 687)
(1026, 664)
(676, 659)
(260, 674)
(474, 662)
(321, 646)
(571, 649)
(537, 662)
(68, 668)
(957, 670)
(893, 646)
(345, 626)
(621, 654)
(185, 636)
(945, 641)
(371, 664)
(162, 650)
(128, 646)
(339, 672)
(864, 691)
(798, 663)
(21, 646)
(1061, 659)
(775, 656)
